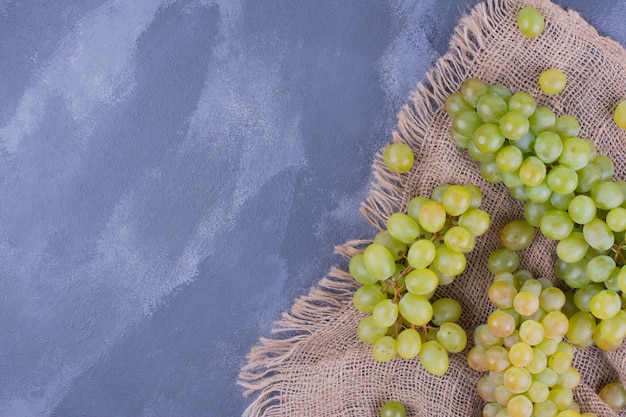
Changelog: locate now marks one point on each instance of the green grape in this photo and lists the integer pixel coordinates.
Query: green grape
(500, 90)
(614, 395)
(534, 212)
(477, 155)
(392, 409)
(455, 103)
(601, 342)
(582, 297)
(416, 309)
(599, 268)
(357, 269)
(437, 193)
(517, 235)
(588, 176)
(485, 388)
(561, 201)
(562, 180)
(575, 153)
(549, 345)
(509, 158)
(490, 172)
(526, 303)
(512, 179)
(523, 102)
(397, 248)
(612, 282)
(532, 171)
(561, 397)
(402, 227)
(598, 235)
(517, 380)
(531, 332)
(606, 167)
(497, 359)
(551, 299)
(616, 219)
(367, 297)
(582, 209)
(398, 157)
(458, 239)
(449, 262)
(488, 138)
(501, 323)
(415, 205)
(552, 81)
(593, 151)
(545, 409)
(452, 337)
(491, 107)
(432, 216)
(613, 330)
(581, 328)
(572, 248)
(607, 195)
(421, 281)
(476, 196)
(385, 313)
(569, 379)
(421, 254)
(605, 304)
(434, 358)
(530, 22)
(485, 337)
(526, 143)
(548, 146)
(502, 396)
(556, 225)
(492, 409)
(538, 392)
(503, 260)
(575, 275)
(520, 406)
(460, 140)
(473, 89)
(555, 324)
(539, 193)
(532, 285)
(379, 261)
(465, 122)
(511, 340)
(476, 221)
(369, 332)
(566, 126)
(384, 349)
(518, 193)
(521, 354)
(619, 115)
(446, 310)
(514, 125)
(502, 294)
(409, 343)
(444, 279)
(476, 358)
(456, 200)
(542, 120)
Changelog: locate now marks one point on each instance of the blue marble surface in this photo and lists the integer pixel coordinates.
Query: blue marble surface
(174, 173)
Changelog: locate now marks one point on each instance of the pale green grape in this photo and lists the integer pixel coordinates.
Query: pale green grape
(532, 285)
(582, 209)
(415, 205)
(613, 330)
(601, 342)
(575, 153)
(519, 193)
(582, 297)
(517, 380)
(588, 176)
(476, 196)
(485, 388)
(452, 337)
(398, 157)
(549, 345)
(561, 397)
(542, 120)
(502, 396)
(606, 166)
(379, 261)
(497, 359)
(561, 201)
(501, 323)
(521, 354)
(455, 103)
(607, 195)
(566, 126)
(530, 22)
(384, 349)
(458, 239)
(503, 260)
(572, 248)
(367, 297)
(575, 275)
(555, 324)
(492, 409)
(514, 125)
(520, 406)
(552, 81)
(501, 90)
(556, 225)
(526, 143)
(619, 115)
(477, 155)
(357, 269)
(548, 146)
(616, 219)
(517, 235)
(369, 332)
(581, 328)
(409, 343)
(465, 122)
(526, 303)
(569, 379)
(473, 89)
(562, 180)
(532, 171)
(531, 332)
(397, 248)
(434, 357)
(614, 394)
(551, 299)
(446, 310)
(502, 294)
(437, 193)
(476, 358)
(421, 254)
(534, 212)
(460, 140)
(416, 309)
(449, 262)
(539, 193)
(385, 313)
(490, 172)
(402, 227)
(393, 409)
(523, 102)
(484, 336)
(432, 216)
(599, 268)
(456, 200)
(605, 304)
(421, 281)
(509, 158)
(491, 107)
(598, 234)
(538, 392)
(488, 138)
(545, 409)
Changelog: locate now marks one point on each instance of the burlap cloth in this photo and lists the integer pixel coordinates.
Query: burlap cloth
(316, 365)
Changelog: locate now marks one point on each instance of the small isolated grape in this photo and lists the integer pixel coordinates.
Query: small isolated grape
(530, 22)
(393, 409)
(619, 116)
(398, 157)
(552, 81)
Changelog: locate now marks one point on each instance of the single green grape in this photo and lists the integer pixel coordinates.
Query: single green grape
(519, 406)
(509, 158)
(398, 157)
(523, 102)
(599, 268)
(572, 248)
(556, 225)
(502, 260)
(446, 310)
(539, 193)
(452, 337)
(561, 201)
(357, 269)
(575, 154)
(562, 180)
(575, 274)
(432, 216)
(552, 81)
(616, 219)
(455, 103)
(421, 254)
(491, 107)
(476, 221)
(456, 200)
(421, 281)
(393, 409)
(548, 146)
(384, 349)
(408, 344)
(415, 205)
(458, 239)
(530, 22)
(598, 235)
(517, 380)
(490, 172)
(368, 331)
(619, 115)
(488, 138)
(501, 323)
(566, 126)
(473, 89)
(379, 261)
(582, 209)
(514, 125)
(448, 261)
(434, 358)
(367, 297)
(502, 293)
(607, 195)
(416, 309)
(517, 235)
(532, 171)
(534, 212)
(385, 313)
(542, 120)
(606, 167)
(501, 90)
(466, 122)
(605, 304)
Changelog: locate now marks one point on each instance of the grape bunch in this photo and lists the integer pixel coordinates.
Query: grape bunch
(567, 189)
(521, 346)
(403, 266)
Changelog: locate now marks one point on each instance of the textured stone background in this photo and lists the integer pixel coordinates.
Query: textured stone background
(174, 173)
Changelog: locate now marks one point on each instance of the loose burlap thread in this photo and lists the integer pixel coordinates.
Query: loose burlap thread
(315, 365)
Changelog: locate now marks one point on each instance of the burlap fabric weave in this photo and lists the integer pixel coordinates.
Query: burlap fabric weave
(316, 365)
